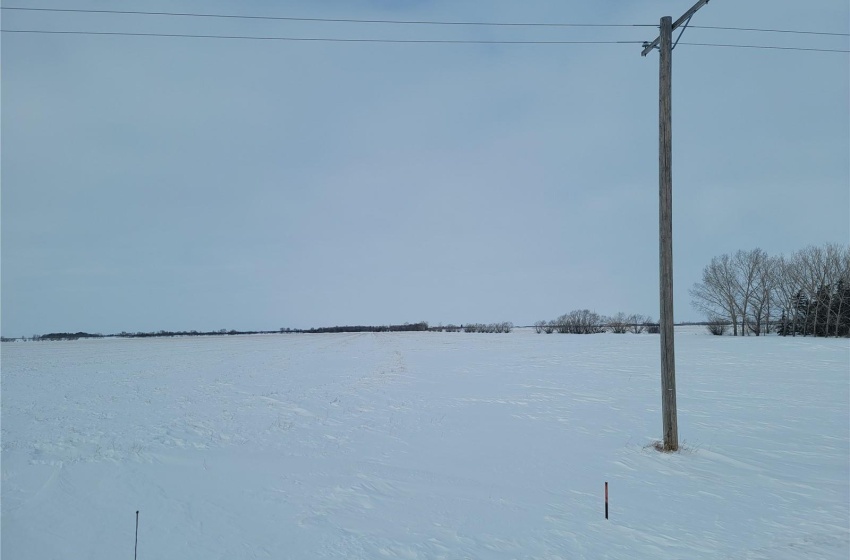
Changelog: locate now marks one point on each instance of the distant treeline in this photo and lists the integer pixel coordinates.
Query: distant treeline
(407, 327)
(421, 326)
(66, 336)
(188, 333)
(152, 334)
(584, 321)
(489, 327)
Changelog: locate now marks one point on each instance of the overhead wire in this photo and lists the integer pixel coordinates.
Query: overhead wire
(401, 22)
(320, 39)
(761, 30)
(407, 22)
(324, 20)
(399, 41)
(736, 46)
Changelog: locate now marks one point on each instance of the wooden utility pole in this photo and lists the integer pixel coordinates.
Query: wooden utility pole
(665, 236)
(665, 45)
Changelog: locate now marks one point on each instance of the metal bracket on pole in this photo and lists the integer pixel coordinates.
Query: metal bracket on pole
(681, 32)
(686, 17)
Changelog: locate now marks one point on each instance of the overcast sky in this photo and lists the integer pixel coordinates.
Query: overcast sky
(177, 183)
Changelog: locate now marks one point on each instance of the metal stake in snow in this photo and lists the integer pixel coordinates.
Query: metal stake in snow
(606, 500)
(136, 548)
(665, 45)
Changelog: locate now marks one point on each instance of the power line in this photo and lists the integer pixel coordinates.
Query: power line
(757, 29)
(406, 22)
(397, 41)
(318, 39)
(764, 47)
(325, 20)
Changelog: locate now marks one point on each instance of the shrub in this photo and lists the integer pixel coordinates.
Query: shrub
(717, 327)
(619, 323)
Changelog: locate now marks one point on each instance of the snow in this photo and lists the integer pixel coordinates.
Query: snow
(424, 445)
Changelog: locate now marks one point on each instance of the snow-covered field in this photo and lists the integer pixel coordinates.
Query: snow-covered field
(424, 445)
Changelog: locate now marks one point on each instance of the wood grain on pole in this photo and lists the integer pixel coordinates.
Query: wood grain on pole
(665, 183)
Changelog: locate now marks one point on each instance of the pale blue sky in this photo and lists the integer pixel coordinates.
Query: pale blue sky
(167, 183)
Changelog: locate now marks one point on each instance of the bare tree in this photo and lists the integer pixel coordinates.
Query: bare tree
(562, 324)
(638, 323)
(746, 265)
(837, 264)
(811, 273)
(717, 326)
(763, 296)
(619, 323)
(786, 286)
(755, 286)
(806, 293)
(841, 288)
(716, 294)
(579, 321)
